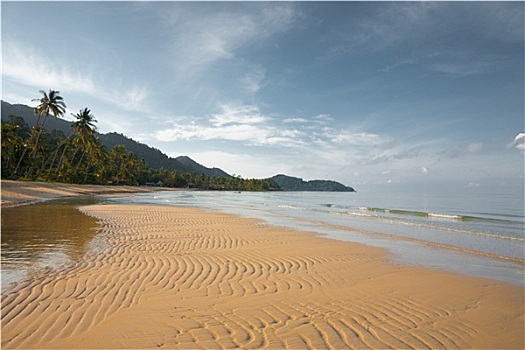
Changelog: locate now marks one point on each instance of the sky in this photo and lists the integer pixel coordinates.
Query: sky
(365, 93)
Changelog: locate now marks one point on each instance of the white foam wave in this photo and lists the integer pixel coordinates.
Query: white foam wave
(284, 206)
(445, 216)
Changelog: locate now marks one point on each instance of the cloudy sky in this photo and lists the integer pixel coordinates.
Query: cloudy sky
(362, 93)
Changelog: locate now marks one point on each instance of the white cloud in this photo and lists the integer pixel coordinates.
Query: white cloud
(295, 120)
(237, 132)
(28, 67)
(235, 123)
(252, 80)
(323, 118)
(203, 36)
(358, 139)
(34, 69)
(519, 142)
(475, 147)
(238, 115)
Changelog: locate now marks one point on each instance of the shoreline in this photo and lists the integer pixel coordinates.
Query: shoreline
(175, 277)
(16, 193)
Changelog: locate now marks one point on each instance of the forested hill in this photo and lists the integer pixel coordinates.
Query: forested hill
(28, 113)
(156, 159)
(200, 169)
(288, 183)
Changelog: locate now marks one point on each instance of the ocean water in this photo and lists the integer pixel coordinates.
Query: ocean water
(474, 232)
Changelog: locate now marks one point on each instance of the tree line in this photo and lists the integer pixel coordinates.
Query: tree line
(33, 154)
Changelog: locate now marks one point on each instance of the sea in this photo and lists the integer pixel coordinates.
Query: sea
(472, 231)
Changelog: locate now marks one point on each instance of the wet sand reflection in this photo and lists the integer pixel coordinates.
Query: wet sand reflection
(42, 236)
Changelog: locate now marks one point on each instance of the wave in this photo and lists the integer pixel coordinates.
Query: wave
(350, 213)
(423, 214)
(285, 206)
(445, 216)
(395, 221)
(442, 245)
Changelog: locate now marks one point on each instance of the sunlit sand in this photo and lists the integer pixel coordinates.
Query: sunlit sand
(172, 277)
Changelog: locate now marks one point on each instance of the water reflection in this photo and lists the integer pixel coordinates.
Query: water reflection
(43, 235)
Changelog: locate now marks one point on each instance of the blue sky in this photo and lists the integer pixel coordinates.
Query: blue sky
(389, 93)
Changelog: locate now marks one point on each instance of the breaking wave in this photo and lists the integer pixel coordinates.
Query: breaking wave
(432, 215)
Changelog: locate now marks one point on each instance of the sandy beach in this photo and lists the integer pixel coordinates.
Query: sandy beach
(171, 277)
(15, 193)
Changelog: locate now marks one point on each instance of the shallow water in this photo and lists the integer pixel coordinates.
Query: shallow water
(478, 234)
(44, 235)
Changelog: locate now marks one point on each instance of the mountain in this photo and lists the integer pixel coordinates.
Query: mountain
(289, 183)
(157, 160)
(28, 113)
(200, 169)
(154, 157)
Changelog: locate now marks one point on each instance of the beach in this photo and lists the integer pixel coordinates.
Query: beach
(15, 193)
(176, 277)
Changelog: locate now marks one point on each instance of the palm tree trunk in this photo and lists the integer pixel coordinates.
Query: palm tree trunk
(33, 155)
(80, 161)
(53, 161)
(61, 160)
(87, 170)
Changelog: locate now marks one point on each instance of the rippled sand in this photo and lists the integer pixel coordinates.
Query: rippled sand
(15, 193)
(183, 278)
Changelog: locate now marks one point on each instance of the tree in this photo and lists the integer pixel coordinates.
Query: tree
(51, 103)
(85, 129)
(12, 143)
(96, 156)
(82, 134)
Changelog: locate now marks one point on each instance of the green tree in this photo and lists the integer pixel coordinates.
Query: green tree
(12, 146)
(82, 134)
(50, 103)
(85, 130)
(96, 157)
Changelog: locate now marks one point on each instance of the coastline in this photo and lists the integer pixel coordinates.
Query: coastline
(16, 193)
(181, 277)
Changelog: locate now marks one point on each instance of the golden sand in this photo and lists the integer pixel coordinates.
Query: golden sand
(186, 278)
(24, 192)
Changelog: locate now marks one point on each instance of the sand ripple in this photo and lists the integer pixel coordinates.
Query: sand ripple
(165, 277)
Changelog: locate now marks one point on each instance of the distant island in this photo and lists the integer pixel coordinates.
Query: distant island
(154, 167)
(288, 183)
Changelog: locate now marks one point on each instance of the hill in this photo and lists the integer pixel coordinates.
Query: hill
(200, 169)
(158, 160)
(154, 157)
(28, 113)
(289, 183)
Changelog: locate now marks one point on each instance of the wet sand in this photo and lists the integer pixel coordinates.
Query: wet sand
(15, 193)
(185, 278)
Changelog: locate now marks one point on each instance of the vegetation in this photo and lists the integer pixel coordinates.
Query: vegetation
(288, 183)
(32, 153)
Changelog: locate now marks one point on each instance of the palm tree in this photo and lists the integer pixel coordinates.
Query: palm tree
(81, 132)
(95, 152)
(85, 129)
(51, 103)
(12, 143)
